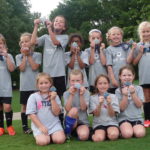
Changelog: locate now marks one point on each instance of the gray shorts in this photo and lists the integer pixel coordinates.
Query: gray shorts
(52, 130)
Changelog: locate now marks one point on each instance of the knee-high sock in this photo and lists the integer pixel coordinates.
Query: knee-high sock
(1, 119)
(9, 116)
(24, 119)
(69, 123)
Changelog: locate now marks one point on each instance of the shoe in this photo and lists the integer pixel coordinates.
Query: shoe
(146, 123)
(2, 131)
(11, 130)
(27, 130)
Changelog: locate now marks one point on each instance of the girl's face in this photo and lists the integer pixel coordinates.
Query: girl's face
(77, 40)
(59, 23)
(25, 41)
(44, 85)
(145, 33)
(115, 36)
(126, 76)
(95, 35)
(75, 79)
(102, 85)
(2, 46)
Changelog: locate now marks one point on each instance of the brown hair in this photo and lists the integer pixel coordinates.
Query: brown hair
(96, 80)
(3, 39)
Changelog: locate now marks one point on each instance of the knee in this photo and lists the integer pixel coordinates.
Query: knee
(98, 138)
(83, 136)
(59, 140)
(140, 133)
(73, 112)
(113, 135)
(127, 134)
(42, 142)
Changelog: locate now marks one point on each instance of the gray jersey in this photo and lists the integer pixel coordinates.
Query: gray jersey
(53, 57)
(5, 78)
(83, 116)
(95, 69)
(104, 118)
(117, 58)
(131, 113)
(40, 106)
(143, 66)
(28, 77)
(84, 58)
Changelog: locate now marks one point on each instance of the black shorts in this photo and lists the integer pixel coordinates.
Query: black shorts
(5, 100)
(60, 84)
(145, 86)
(112, 90)
(133, 123)
(100, 127)
(24, 95)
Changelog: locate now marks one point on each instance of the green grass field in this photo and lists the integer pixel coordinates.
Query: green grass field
(26, 142)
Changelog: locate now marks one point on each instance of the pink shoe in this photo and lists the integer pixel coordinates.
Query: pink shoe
(146, 123)
(2, 131)
(11, 130)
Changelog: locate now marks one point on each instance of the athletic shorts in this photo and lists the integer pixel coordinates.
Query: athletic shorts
(133, 123)
(100, 127)
(5, 100)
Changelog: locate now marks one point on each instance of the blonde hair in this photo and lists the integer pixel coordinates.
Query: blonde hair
(76, 72)
(110, 31)
(3, 40)
(141, 26)
(28, 35)
(45, 75)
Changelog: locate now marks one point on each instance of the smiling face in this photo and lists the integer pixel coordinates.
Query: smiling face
(73, 79)
(115, 36)
(102, 85)
(44, 85)
(145, 34)
(126, 76)
(59, 24)
(95, 35)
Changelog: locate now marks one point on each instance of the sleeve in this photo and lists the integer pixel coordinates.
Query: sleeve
(84, 57)
(92, 104)
(65, 97)
(118, 95)
(109, 60)
(67, 58)
(64, 41)
(58, 102)
(18, 60)
(12, 59)
(38, 59)
(115, 103)
(87, 97)
(41, 40)
(31, 105)
(140, 93)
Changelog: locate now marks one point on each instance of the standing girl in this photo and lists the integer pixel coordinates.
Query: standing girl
(43, 108)
(28, 63)
(131, 99)
(96, 56)
(118, 54)
(105, 107)
(76, 59)
(76, 102)
(7, 65)
(142, 57)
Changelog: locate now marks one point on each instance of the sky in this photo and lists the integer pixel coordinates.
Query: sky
(43, 6)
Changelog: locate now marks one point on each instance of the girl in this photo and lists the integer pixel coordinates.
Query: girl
(105, 107)
(43, 108)
(118, 54)
(142, 58)
(76, 101)
(76, 59)
(7, 65)
(54, 47)
(131, 99)
(28, 63)
(96, 56)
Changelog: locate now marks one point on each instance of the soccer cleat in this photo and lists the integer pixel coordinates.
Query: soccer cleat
(27, 130)
(11, 130)
(146, 123)
(2, 131)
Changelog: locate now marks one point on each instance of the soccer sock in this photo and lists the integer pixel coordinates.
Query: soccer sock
(146, 111)
(9, 116)
(24, 119)
(69, 123)
(1, 119)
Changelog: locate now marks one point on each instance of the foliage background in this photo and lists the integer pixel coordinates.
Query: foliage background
(81, 15)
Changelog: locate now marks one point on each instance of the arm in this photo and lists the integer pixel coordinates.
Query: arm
(22, 66)
(97, 111)
(81, 64)
(10, 65)
(111, 112)
(92, 53)
(102, 55)
(72, 60)
(68, 105)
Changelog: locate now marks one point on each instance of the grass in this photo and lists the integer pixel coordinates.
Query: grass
(16, 101)
(26, 142)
